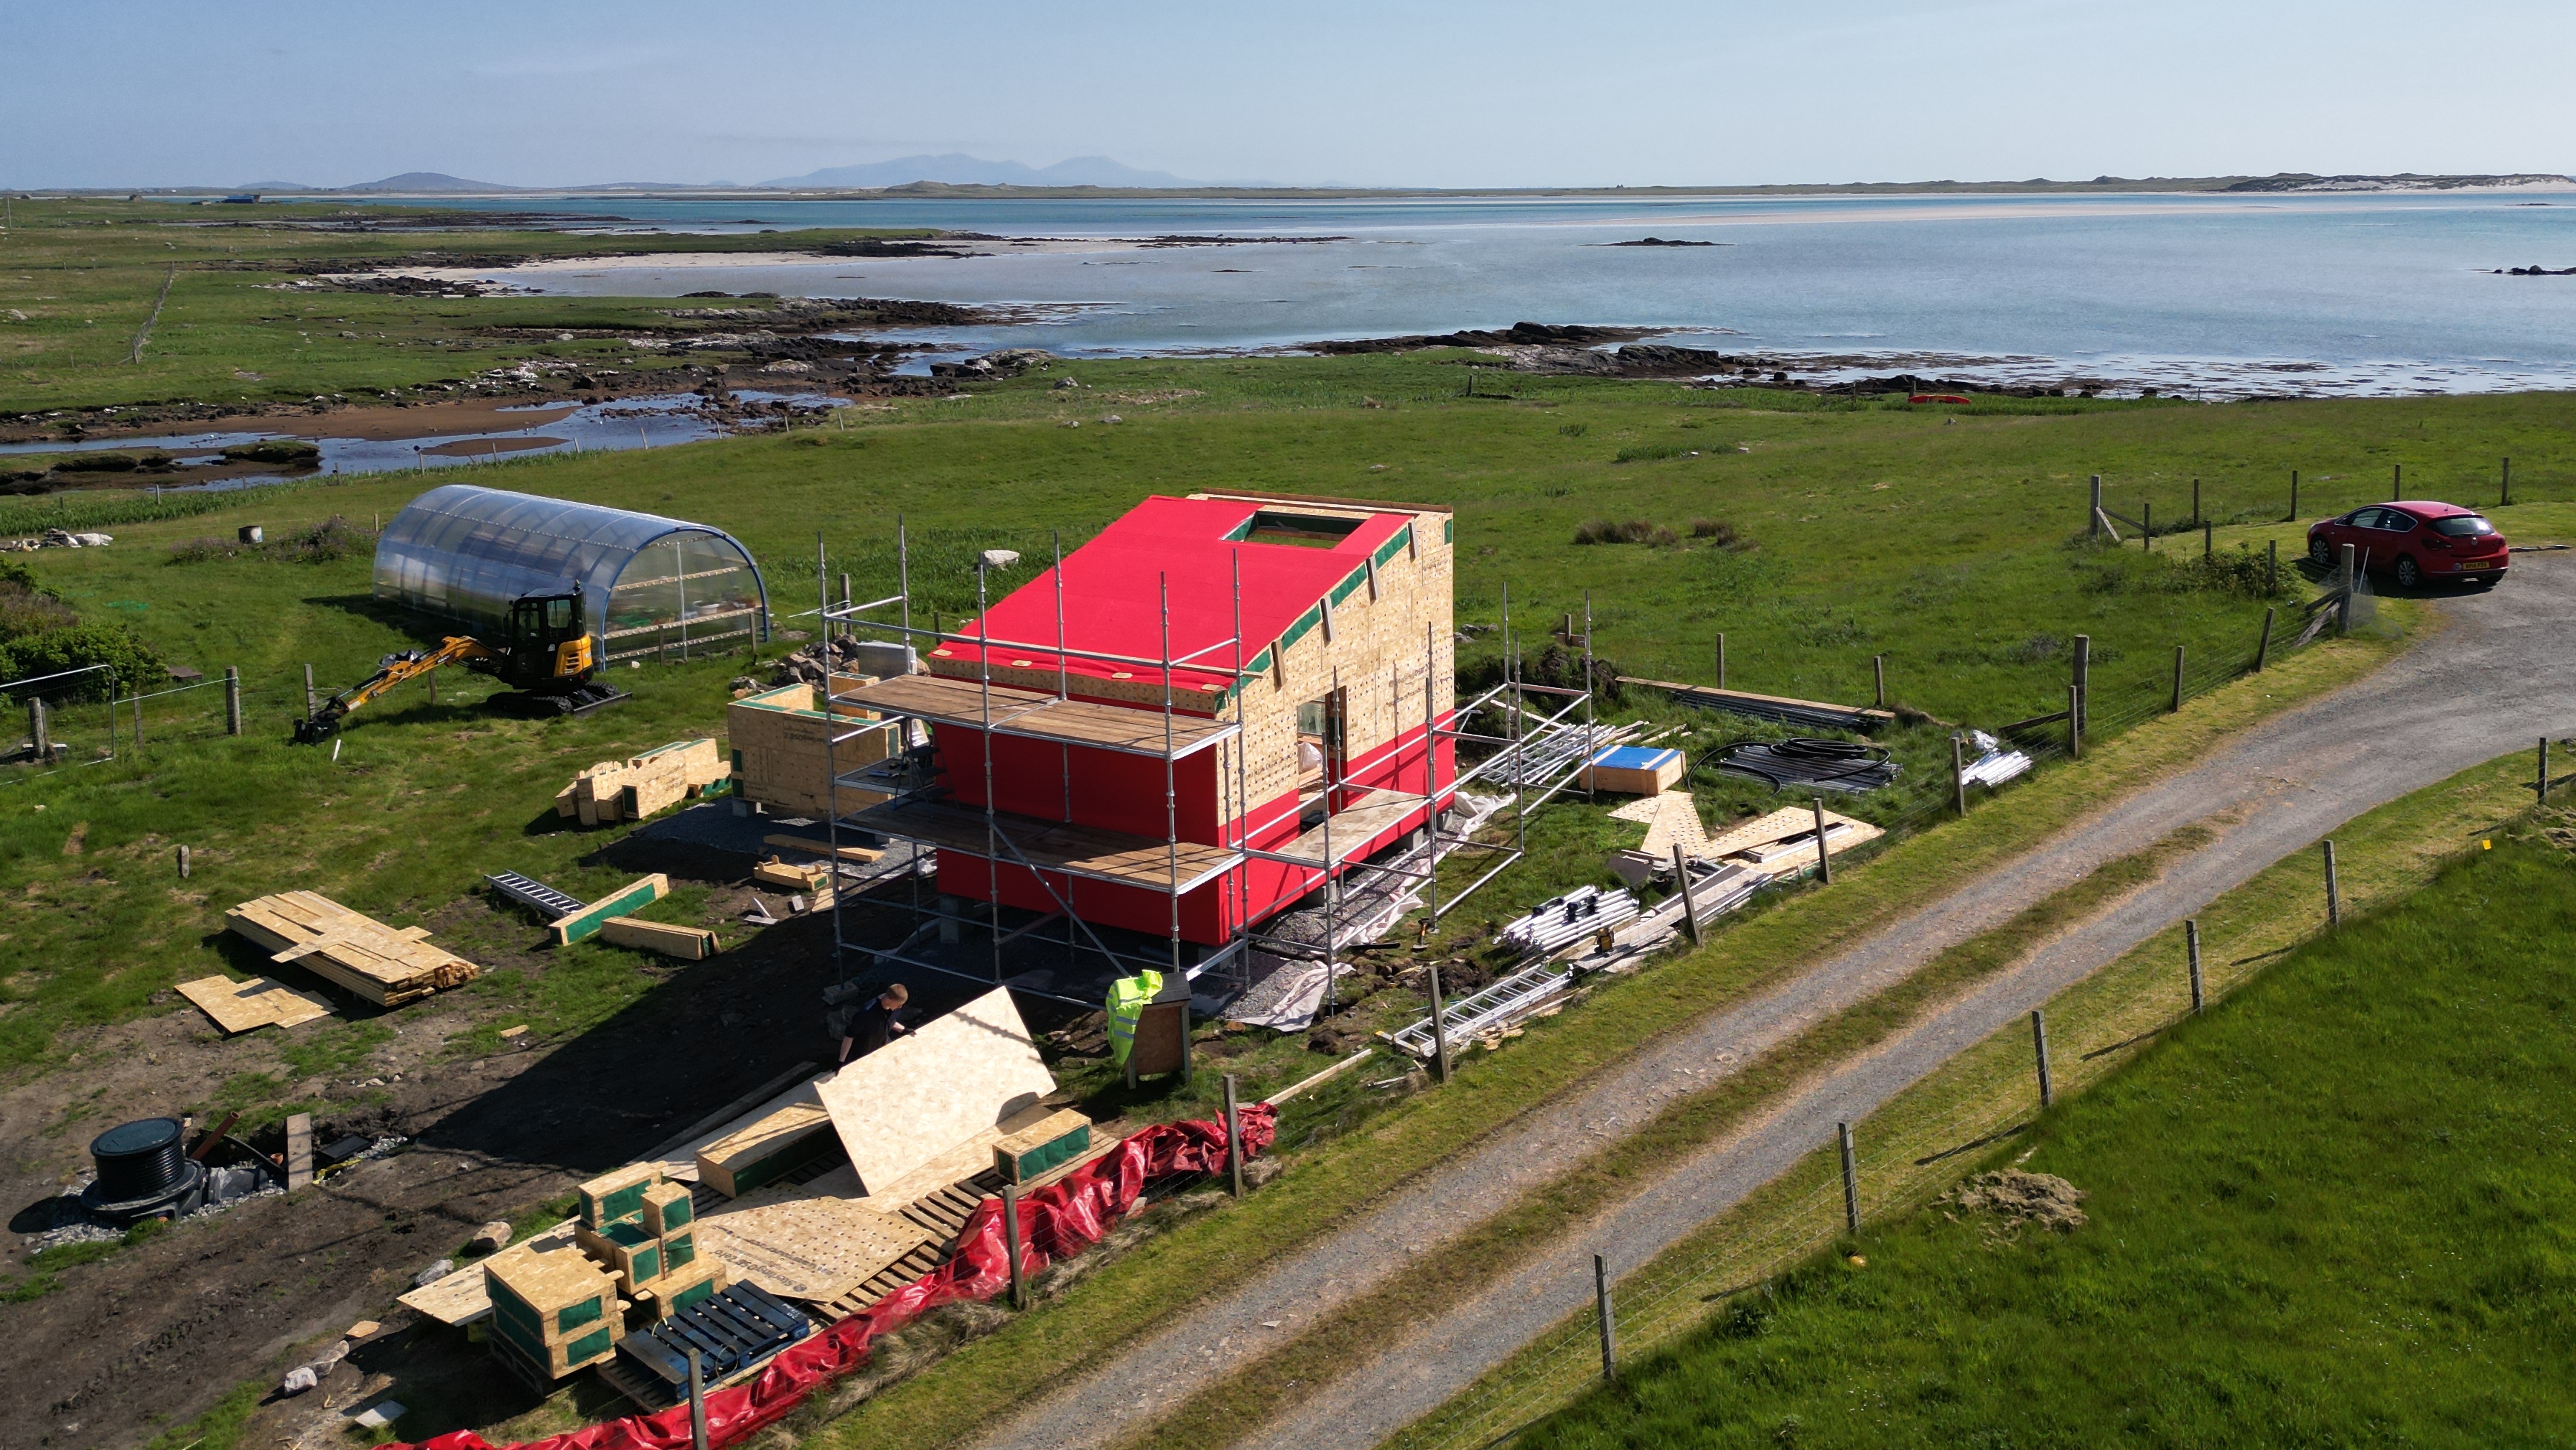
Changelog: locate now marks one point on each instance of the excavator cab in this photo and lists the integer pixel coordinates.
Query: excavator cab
(544, 655)
(547, 647)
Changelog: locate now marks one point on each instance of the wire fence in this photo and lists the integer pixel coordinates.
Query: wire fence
(89, 718)
(1909, 1150)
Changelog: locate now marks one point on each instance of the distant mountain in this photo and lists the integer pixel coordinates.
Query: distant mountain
(269, 186)
(962, 170)
(434, 183)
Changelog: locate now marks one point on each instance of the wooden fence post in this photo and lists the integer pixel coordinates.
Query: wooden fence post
(1721, 659)
(39, 732)
(2195, 505)
(2074, 729)
(1690, 909)
(2540, 787)
(2191, 941)
(1878, 667)
(2334, 892)
(1959, 773)
(310, 709)
(2506, 496)
(1601, 1310)
(2177, 690)
(1011, 1244)
(2081, 676)
(1824, 858)
(2039, 1047)
(1233, 1139)
(2263, 649)
(2093, 517)
(2351, 582)
(232, 700)
(2294, 498)
(1851, 1179)
(1439, 1029)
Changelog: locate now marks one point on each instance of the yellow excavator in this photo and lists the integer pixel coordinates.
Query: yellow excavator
(545, 657)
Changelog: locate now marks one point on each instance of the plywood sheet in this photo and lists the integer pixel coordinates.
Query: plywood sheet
(1675, 823)
(808, 1246)
(1779, 825)
(462, 1297)
(934, 1088)
(259, 1002)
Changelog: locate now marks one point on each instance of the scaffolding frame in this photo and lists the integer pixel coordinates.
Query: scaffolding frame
(849, 619)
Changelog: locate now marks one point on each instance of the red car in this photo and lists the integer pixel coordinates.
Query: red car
(2415, 541)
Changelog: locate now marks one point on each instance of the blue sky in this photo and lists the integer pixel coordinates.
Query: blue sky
(1490, 94)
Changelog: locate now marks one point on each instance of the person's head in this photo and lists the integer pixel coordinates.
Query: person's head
(893, 997)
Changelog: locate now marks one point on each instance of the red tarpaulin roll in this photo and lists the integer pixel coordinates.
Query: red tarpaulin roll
(1056, 1222)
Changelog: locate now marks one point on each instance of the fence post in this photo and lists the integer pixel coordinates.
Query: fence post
(2093, 517)
(183, 863)
(1601, 1310)
(309, 707)
(39, 734)
(1439, 1029)
(2195, 505)
(1824, 858)
(2039, 1048)
(2506, 496)
(1690, 908)
(2351, 582)
(2191, 940)
(2271, 566)
(2540, 787)
(1011, 1244)
(2074, 715)
(2177, 693)
(2334, 894)
(697, 1403)
(232, 700)
(1851, 1179)
(2396, 482)
(2208, 539)
(1878, 667)
(1721, 659)
(1959, 773)
(2294, 498)
(2263, 649)
(1233, 1139)
(2147, 528)
(2081, 676)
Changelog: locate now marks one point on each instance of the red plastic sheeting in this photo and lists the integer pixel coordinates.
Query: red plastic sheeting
(1056, 1222)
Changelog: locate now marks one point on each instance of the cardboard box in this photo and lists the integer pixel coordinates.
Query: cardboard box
(1634, 770)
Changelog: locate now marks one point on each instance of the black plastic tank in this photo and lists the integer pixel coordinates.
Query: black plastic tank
(143, 1169)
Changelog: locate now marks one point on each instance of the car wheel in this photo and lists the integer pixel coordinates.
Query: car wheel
(2408, 575)
(2321, 552)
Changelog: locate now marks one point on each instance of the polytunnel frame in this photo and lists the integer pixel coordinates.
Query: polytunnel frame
(466, 552)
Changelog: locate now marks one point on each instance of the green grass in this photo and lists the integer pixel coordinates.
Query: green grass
(78, 278)
(2328, 1213)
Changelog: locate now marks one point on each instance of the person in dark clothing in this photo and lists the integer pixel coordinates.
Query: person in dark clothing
(876, 1024)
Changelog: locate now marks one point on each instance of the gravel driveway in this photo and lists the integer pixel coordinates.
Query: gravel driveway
(2498, 677)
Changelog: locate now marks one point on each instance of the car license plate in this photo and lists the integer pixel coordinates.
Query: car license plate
(2475, 564)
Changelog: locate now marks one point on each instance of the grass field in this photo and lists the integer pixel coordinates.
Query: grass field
(2314, 1219)
(78, 279)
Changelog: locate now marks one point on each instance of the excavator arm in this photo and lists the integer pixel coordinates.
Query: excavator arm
(392, 670)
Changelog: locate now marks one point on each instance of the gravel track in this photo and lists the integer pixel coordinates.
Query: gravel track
(2499, 676)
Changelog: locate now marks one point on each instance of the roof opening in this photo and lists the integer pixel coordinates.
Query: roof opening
(1314, 531)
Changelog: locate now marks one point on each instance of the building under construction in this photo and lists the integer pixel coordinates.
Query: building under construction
(1210, 713)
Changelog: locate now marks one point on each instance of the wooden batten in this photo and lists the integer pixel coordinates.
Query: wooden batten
(687, 943)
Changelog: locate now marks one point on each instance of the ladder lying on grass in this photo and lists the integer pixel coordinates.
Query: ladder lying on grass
(1492, 1009)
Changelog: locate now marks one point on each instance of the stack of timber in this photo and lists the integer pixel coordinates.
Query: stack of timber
(785, 749)
(645, 1233)
(591, 920)
(1815, 714)
(644, 785)
(768, 1146)
(688, 943)
(379, 963)
(553, 1310)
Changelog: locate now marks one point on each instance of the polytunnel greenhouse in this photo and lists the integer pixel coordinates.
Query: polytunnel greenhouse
(651, 586)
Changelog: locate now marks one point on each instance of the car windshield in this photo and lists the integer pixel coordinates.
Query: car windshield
(2461, 526)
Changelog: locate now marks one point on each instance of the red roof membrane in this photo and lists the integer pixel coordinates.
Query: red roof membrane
(1113, 593)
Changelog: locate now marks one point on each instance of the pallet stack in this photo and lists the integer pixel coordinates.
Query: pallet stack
(553, 1312)
(644, 785)
(642, 1232)
(378, 963)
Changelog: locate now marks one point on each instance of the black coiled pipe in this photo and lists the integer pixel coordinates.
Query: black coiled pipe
(138, 1160)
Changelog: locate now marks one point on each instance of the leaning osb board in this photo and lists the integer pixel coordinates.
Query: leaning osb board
(932, 1089)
